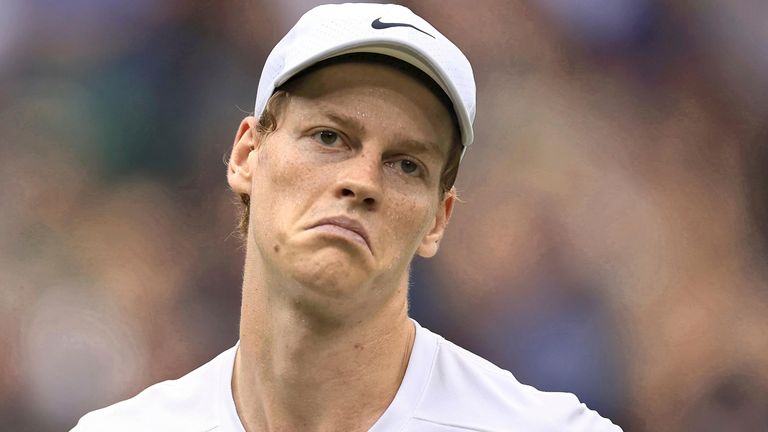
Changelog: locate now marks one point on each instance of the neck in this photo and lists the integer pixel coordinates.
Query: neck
(296, 370)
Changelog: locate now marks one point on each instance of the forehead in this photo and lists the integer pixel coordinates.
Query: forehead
(385, 62)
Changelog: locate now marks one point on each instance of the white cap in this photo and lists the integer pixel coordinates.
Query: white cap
(332, 30)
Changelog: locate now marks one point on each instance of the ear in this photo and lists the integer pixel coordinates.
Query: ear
(239, 171)
(431, 242)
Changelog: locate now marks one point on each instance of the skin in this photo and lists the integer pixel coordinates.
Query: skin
(324, 331)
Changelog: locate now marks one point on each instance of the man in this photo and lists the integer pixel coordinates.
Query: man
(346, 171)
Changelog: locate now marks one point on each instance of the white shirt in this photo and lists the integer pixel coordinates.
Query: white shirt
(445, 389)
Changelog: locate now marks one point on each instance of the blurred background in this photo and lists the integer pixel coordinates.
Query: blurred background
(612, 240)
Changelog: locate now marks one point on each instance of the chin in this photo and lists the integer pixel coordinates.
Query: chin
(327, 297)
(330, 275)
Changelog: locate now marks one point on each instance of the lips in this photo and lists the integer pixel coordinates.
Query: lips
(344, 225)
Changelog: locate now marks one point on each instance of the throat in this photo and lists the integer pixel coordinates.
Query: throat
(289, 376)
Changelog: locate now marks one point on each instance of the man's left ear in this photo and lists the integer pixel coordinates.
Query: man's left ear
(431, 242)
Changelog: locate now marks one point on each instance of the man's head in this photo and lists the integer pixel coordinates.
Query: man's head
(269, 118)
(349, 168)
(390, 34)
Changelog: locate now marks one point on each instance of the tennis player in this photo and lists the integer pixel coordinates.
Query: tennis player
(346, 172)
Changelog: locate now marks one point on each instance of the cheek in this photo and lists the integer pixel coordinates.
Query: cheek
(279, 166)
(410, 220)
(280, 187)
(281, 171)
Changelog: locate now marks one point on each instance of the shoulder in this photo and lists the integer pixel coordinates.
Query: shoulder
(185, 404)
(470, 393)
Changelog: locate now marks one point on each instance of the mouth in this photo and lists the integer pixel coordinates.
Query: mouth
(344, 227)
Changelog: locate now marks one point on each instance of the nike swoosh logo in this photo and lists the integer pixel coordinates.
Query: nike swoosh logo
(378, 25)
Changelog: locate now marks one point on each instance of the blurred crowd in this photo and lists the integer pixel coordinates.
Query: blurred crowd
(612, 238)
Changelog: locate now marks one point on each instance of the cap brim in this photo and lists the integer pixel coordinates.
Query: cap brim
(400, 51)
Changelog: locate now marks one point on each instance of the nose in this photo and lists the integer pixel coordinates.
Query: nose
(359, 181)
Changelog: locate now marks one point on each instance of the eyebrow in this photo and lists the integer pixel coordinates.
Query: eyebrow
(417, 146)
(346, 121)
(409, 143)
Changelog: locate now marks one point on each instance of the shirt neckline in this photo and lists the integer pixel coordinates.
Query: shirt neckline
(227, 411)
(400, 410)
(415, 380)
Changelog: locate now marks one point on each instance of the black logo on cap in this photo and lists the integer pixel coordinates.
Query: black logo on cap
(378, 25)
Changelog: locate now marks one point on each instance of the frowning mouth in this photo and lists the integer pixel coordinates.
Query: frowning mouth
(345, 227)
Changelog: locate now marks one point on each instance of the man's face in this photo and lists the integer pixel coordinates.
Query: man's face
(347, 188)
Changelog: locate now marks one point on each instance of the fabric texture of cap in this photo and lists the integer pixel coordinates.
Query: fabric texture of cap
(331, 30)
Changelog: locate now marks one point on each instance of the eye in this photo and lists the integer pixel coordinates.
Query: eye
(326, 137)
(409, 167)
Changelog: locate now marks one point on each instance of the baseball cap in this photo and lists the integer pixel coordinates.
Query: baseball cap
(336, 29)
